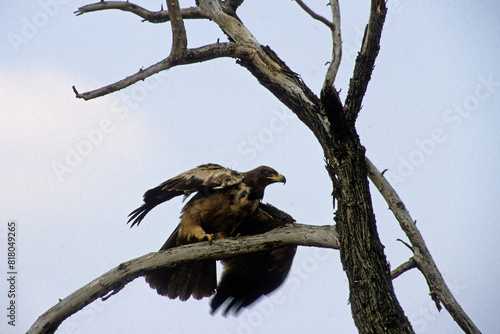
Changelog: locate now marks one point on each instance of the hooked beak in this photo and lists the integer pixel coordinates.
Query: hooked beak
(278, 178)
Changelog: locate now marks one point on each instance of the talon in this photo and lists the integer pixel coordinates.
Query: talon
(208, 237)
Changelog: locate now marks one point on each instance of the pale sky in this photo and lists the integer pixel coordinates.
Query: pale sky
(71, 171)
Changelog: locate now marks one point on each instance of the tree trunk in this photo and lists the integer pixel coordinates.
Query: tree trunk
(374, 305)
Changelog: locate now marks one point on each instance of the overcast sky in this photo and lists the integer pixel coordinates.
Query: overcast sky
(71, 171)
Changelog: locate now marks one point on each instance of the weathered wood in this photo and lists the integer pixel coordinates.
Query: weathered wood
(114, 280)
(423, 259)
(374, 305)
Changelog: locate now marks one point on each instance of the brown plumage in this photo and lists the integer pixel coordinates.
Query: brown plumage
(248, 277)
(223, 199)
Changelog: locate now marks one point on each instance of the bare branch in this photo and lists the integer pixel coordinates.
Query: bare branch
(197, 55)
(315, 15)
(408, 265)
(333, 68)
(336, 37)
(115, 279)
(365, 61)
(422, 256)
(179, 38)
(404, 242)
(329, 95)
(150, 16)
(232, 5)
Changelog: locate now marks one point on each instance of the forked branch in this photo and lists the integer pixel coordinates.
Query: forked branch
(422, 255)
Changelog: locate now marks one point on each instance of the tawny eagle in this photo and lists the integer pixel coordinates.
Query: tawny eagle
(225, 203)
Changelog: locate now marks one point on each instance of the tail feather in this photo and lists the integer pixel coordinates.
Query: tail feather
(179, 282)
(156, 281)
(193, 279)
(206, 282)
(196, 279)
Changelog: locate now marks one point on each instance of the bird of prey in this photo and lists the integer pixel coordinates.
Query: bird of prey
(225, 203)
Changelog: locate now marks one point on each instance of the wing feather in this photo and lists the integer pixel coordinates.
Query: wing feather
(208, 175)
(204, 178)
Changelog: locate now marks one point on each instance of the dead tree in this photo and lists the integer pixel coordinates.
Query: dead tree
(374, 305)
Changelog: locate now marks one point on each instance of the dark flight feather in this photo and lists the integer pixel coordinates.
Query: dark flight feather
(246, 278)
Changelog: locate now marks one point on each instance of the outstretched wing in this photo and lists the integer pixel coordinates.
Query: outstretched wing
(204, 178)
(248, 277)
